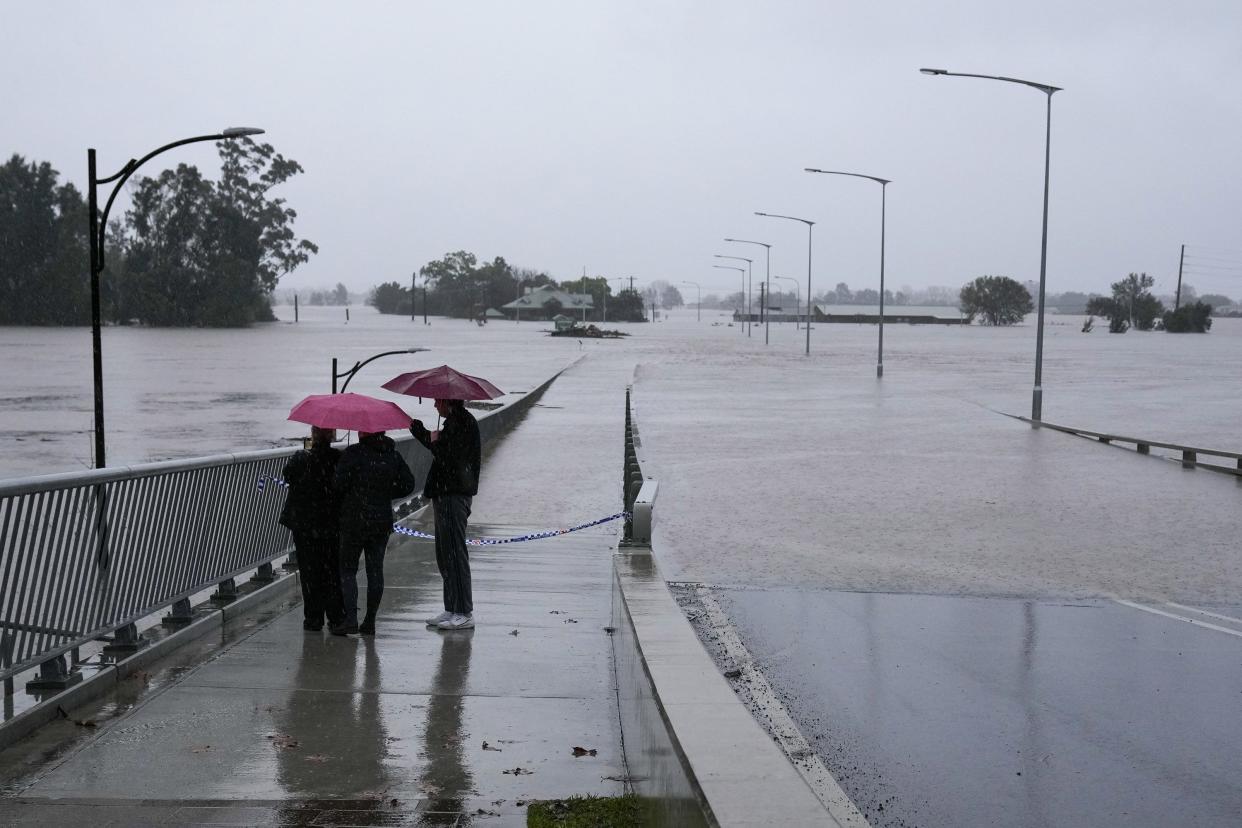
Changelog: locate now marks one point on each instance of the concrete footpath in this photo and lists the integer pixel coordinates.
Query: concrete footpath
(276, 726)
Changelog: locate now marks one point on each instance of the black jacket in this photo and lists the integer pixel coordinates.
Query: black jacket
(311, 504)
(370, 476)
(456, 455)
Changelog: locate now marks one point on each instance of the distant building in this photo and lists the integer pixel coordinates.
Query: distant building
(547, 301)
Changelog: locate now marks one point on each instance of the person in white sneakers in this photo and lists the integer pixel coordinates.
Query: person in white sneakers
(452, 483)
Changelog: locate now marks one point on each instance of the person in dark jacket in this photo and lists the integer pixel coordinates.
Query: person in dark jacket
(311, 513)
(452, 483)
(370, 476)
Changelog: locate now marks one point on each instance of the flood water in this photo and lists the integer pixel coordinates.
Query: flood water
(776, 468)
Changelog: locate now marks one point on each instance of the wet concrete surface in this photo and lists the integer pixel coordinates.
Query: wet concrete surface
(954, 711)
(410, 727)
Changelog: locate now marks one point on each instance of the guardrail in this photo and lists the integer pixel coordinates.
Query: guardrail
(1189, 454)
(86, 555)
(637, 492)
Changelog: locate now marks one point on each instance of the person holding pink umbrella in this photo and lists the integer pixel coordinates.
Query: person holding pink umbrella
(452, 483)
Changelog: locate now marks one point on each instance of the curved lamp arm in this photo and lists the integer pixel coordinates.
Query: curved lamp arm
(349, 375)
(131, 166)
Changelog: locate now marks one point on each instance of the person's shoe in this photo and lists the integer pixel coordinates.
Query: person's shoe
(457, 622)
(309, 627)
(437, 620)
(344, 629)
(367, 627)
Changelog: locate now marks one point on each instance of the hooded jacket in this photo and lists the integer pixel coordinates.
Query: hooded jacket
(311, 504)
(369, 477)
(456, 455)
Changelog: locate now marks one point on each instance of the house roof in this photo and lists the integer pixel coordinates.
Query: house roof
(540, 296)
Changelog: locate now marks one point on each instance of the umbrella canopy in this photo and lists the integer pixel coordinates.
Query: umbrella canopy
(443, 383)
(349, 412)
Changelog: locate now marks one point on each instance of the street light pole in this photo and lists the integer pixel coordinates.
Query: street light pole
(98, 226)
(749, 285)
(1037, 394)
(767, 277)
(810, 225)
(698, 303)
(740, 270)
(349, 375)
(883, 182)
(797, 300)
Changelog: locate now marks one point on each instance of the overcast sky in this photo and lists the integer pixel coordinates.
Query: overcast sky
(632, 137)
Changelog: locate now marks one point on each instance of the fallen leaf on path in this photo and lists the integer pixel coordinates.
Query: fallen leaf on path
(581, 751)
(202, 749)
(486, 746)
(515, 632)
(519, 771)
(317, 758)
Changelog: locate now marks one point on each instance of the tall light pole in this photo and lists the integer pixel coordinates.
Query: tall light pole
(883, 182)
(698, 303)
(749, 285)
(767, 277)
(1037, 394)
(740, 270)
(797, 293)
(98, 224)
(810, 225)
(352, 372)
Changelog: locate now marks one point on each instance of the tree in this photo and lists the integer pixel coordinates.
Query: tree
(998, 299)
(204, 253)
(43, 247)
(390, 297)
(1193, 318)
(1132, 296)
(867, 296)
(452, 279)
(670, 297)
(627, 306)
(340, 296)
(1216, 300)
(843, 294)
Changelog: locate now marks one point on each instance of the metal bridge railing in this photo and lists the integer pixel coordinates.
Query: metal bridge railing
(637, 492)
(83, 555)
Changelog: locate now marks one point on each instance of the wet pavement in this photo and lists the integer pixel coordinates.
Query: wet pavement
(410, 727)
(951, 711)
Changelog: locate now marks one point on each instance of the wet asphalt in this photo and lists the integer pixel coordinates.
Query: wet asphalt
(959, 711)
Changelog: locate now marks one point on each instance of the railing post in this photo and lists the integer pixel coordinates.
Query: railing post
(265, 574)
(126, 639)
(1142, 448)
(182, 613)
(226, 592)
(1188, 458)
(291, 562)
(54, 674)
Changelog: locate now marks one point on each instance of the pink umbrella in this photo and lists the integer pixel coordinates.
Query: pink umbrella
(350, 412)
(443, 383)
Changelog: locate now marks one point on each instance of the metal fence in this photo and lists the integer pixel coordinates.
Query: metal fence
(84, 555)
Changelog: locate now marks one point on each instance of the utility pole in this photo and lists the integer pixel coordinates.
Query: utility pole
(413, 293)
(1177, 301)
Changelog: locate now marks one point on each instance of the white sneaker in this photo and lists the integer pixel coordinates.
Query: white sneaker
(435, 621)
(457, 622)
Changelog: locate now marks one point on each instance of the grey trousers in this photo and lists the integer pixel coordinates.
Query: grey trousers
(451, 513)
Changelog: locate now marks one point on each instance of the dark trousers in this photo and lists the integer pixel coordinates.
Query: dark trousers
(318, 572)
(451, 513)
(372, 548)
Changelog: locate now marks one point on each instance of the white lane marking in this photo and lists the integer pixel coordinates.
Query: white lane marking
(1228, 618)
(791, 740)
(1177, 617)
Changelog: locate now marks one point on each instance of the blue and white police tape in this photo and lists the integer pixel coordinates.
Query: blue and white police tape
(414, 533)
(549, 533)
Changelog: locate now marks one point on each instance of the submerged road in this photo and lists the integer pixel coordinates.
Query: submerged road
(955, 711)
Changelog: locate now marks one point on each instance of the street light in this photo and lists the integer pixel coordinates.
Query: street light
(883, 182)
(98, 225)
(740, 270)
(767, 275)
(798, 294)
(349, 375)
(810, 225)
(698, 304)
(1037, 394)
(749, 288)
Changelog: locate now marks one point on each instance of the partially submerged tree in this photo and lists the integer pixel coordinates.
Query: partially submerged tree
(1193, 318)
(998, 299)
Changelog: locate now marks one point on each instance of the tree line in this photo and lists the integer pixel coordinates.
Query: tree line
(189, 251)
(1000, 300)
(459, 285)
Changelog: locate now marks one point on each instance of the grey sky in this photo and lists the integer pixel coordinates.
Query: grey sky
(632, 137)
